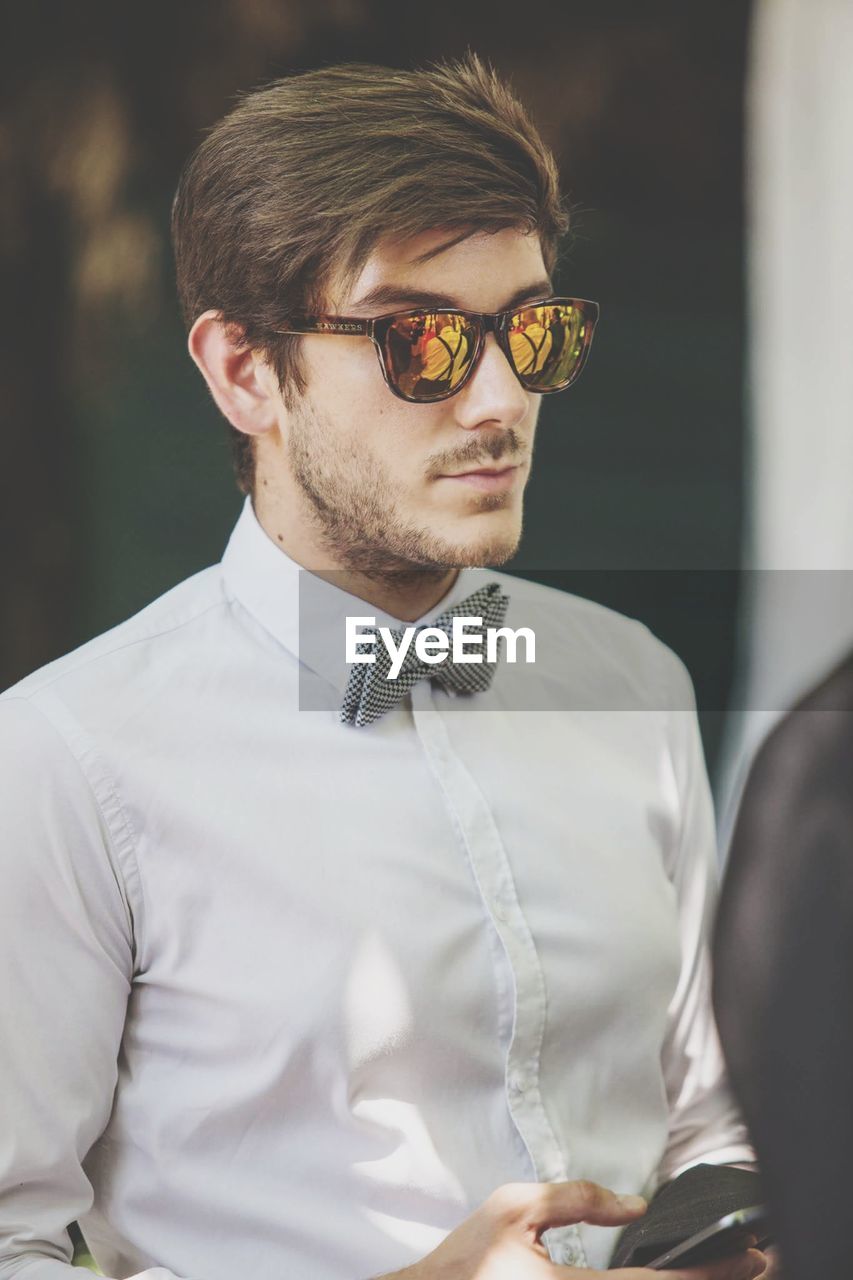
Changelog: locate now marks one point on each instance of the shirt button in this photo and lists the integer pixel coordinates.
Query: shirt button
(517, 1084)
(500, 913)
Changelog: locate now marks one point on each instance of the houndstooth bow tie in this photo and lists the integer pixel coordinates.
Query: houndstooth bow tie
(370, 693)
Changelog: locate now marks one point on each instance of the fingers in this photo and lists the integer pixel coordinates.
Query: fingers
(557, 1204)
(742, 1266)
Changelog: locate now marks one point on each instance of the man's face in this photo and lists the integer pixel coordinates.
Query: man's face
(386, 484)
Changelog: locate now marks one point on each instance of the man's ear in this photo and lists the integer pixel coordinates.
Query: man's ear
(244, 387)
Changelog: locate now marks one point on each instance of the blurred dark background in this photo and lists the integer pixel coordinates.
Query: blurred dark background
(116, 479)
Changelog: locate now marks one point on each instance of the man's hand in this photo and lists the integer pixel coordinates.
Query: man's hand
(502, 1240)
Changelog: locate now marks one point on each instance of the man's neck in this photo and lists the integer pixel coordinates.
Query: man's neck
(406, 594)
(406, 591)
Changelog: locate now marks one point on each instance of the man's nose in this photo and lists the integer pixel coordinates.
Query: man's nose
(493, 396)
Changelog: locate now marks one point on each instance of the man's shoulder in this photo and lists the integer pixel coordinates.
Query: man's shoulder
(159, 630)
(583, 640)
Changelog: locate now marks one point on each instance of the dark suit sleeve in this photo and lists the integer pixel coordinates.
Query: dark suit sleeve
(783, 987)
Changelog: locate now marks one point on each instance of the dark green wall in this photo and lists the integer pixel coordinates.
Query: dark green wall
(117, 480)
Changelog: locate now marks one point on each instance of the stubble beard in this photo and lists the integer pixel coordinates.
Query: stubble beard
(355, 513)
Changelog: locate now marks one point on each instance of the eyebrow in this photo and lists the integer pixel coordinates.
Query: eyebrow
(392, 295)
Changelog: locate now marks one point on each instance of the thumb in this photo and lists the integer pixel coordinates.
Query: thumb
(558, 1204)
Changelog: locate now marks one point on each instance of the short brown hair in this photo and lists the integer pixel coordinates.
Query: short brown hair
(307, 174)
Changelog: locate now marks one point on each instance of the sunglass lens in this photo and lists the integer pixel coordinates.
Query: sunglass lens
(428, 354)
(548, 344)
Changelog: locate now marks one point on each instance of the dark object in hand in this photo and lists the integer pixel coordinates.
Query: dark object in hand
(686, 1206)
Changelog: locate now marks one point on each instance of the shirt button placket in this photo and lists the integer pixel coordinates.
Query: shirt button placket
(493, 875)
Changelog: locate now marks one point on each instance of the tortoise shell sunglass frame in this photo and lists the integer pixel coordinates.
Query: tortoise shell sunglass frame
(429, 354)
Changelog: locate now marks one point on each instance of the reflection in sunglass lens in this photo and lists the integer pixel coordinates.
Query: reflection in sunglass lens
(428, 354)
(547, 344)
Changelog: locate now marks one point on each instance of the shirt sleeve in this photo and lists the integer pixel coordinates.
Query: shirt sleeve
(66, 961)
(705, 1124)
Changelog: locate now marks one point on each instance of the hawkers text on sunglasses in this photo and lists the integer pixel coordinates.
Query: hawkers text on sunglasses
(429, 355)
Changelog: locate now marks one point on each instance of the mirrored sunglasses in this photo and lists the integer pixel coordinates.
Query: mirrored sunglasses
(427, 355)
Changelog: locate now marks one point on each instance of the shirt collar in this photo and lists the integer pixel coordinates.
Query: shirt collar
(305, 613)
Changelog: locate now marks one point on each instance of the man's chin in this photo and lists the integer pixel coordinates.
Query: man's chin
(489, 557)
(474, 553)
(434, 547)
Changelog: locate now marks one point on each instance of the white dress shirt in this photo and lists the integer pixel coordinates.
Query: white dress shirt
(285, 998)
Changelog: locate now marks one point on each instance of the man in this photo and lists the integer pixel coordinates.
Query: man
(316, 975)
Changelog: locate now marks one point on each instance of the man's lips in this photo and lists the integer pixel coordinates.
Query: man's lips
(488, 479)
